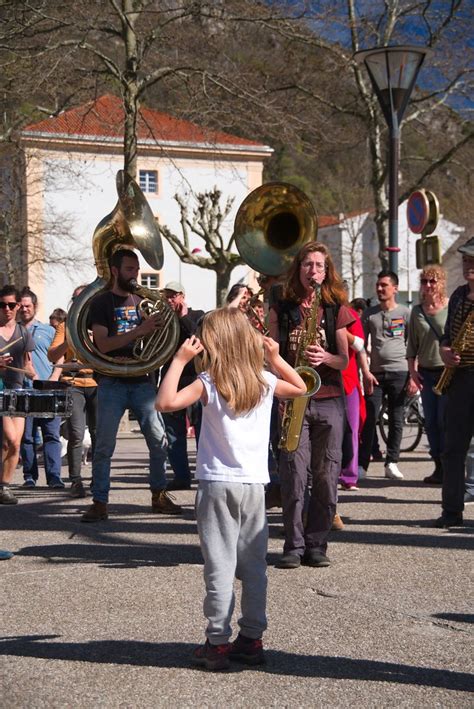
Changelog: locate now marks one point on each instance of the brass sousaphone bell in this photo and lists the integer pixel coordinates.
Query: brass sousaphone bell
(131, 224)
(272, 224)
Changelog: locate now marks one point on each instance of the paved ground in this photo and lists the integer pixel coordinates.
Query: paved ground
(106, 615)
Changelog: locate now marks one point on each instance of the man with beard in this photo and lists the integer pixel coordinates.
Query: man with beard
(115, 324)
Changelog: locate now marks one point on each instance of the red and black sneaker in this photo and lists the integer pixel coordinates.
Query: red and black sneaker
(212, 657)
(247, 650)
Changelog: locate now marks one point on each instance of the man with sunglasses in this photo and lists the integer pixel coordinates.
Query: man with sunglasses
(459, 420)
(16, 345)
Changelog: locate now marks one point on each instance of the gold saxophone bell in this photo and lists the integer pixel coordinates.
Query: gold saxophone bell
(130, 224)
(272, 224)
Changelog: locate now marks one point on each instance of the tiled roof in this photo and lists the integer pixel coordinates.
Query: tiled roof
(104, 119)
(330, 220)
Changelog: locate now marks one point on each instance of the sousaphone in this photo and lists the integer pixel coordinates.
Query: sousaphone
(131, 224)
(272, 224)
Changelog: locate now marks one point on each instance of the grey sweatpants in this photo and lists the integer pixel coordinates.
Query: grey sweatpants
(233, 532)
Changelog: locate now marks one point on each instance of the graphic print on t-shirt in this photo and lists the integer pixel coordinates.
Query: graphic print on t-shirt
(396, 327)
(126, 318)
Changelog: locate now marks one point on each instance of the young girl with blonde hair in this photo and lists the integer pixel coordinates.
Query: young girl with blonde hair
(232, 469)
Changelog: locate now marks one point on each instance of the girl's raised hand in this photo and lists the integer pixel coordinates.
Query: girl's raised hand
(189, 349)
(271, 348)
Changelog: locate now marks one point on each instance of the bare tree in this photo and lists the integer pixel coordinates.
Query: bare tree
(206, 220)
(350, 25)
(27, 243)
(272, 71)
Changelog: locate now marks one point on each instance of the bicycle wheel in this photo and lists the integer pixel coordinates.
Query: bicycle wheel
(412, 428)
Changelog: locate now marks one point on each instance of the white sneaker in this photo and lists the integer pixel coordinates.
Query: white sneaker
(392, 471)
(361, 473)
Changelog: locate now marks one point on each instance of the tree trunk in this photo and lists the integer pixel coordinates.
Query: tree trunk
(378, 187)
(130, 87)
(222, 285)
(131, 106)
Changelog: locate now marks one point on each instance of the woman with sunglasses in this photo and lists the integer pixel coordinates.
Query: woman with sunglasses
(425, 329)
(17, 344)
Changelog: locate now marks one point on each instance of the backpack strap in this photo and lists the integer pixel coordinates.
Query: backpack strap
(288, 316)
(330, 318)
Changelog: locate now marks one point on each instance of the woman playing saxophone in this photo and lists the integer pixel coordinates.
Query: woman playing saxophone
(320, 445)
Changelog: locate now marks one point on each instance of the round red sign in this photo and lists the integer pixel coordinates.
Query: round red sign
(418, 211)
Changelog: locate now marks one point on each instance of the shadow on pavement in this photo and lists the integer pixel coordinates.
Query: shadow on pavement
(456, 617)
(177, 655)
(439, 539)
(116, 556)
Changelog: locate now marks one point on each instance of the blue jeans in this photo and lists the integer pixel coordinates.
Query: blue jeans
(434, 408)
(114, 396)
(51, 448)
(176, 433)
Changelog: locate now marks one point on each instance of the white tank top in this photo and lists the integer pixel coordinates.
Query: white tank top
(234, 448)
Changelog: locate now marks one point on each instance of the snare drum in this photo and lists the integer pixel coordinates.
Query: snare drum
(39, 404)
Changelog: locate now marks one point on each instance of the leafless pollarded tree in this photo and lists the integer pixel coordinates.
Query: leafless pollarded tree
(205, 220)
(134, 46)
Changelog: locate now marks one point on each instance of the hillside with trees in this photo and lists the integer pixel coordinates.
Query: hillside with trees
(277, 72)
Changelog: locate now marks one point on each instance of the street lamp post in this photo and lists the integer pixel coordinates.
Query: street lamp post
(393, 72)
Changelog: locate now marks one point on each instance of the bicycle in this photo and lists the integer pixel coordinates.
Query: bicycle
(413, 423)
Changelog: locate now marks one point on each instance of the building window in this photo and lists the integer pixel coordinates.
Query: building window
(149, 180)
(149, 280)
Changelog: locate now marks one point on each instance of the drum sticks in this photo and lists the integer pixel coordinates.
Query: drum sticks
(9, 344)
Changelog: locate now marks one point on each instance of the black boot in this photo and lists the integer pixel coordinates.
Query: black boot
(436, 477)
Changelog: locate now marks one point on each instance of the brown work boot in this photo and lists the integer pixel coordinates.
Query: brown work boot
(337, 523)
(162, 503)
(96, 512)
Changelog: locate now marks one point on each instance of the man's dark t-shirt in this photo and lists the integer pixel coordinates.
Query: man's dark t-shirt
(118, 314)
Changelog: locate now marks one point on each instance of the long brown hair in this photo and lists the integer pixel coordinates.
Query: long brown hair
(233, 356)
(332, 288)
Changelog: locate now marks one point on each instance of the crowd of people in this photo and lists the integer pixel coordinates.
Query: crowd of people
(238, 373)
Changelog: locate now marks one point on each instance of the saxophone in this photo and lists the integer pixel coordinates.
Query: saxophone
(458, 345)
(295, 409)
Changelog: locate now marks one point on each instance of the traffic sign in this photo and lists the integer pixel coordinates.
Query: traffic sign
(418, 211)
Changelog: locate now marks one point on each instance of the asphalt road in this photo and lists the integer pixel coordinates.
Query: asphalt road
(107, 614)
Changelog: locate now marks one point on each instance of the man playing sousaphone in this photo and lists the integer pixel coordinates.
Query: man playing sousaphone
(457, 353)
(116, 326)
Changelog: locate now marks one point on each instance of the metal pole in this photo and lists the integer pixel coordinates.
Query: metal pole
(393, 247)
